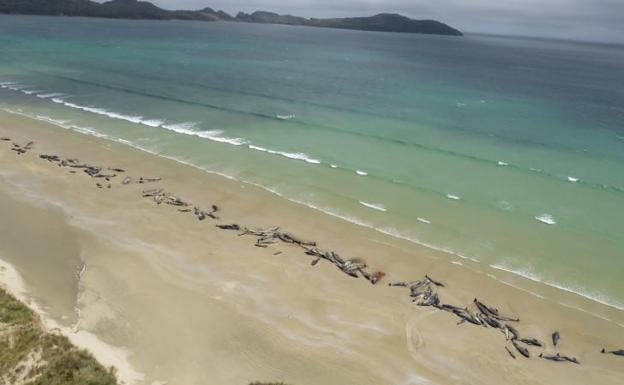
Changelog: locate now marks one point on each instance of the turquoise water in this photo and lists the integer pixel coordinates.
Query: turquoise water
(506, 151)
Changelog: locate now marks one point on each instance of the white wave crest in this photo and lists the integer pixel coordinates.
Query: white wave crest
(181, 127)
(63, 124)
(286, 117)
(153, 122)
(501, 163)
(186, 128)
(290, 155)
(13, 88)
(49, 95)
(580, 291)
(111, 114)
(546, 218)
(573, 179)
(48, 119)
(374, 206)
(361, 173)
(453, 197)
(423, 220)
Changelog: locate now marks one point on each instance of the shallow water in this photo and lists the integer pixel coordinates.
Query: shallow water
(505, 151)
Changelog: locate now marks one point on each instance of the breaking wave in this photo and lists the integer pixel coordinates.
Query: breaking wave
(111, 114)
(546, 218)
(578, 290)
(50, 95)
(374, 206)
(290, 155)
(187, 128)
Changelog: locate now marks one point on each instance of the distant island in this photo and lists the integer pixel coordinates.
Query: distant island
(134, 9)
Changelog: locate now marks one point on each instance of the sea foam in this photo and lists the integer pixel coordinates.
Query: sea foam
(374, 206)
(580, 291)
(101, 111)
(49, 95)
(546, 218)
(186, 128)
(48, 119)
(290, 155)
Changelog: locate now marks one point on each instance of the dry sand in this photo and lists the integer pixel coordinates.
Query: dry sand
(182, 302)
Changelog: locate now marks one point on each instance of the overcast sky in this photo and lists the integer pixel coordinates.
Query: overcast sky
(598, 20)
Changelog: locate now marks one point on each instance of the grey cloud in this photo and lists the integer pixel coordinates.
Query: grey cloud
(601, 20)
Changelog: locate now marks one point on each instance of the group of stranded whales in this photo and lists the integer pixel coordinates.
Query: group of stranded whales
(95, 171)
(423, 292)
(19, 149)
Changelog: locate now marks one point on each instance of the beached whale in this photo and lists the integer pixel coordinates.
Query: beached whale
(521, 349)
(511, 331)
(531, 341)
(559, 358)
(490, 321)
(556, 358)
(619, 352)
(50, 158)
(233, 226)
(437, 283)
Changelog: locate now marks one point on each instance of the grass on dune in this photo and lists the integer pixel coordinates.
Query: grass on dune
(31, 356)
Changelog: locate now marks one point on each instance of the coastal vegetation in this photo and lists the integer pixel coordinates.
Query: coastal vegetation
(30, 355)
(134, 9)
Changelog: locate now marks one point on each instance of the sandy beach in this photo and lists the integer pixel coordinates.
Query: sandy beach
(182, 302)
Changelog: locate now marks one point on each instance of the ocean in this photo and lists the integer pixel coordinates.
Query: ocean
(505, 151)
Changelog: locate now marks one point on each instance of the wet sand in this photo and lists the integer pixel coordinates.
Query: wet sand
(189, 303)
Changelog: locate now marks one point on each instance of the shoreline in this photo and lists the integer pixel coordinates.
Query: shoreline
(519, 275)
(377, 249)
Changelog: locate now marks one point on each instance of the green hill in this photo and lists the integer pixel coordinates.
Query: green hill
(134, 9)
